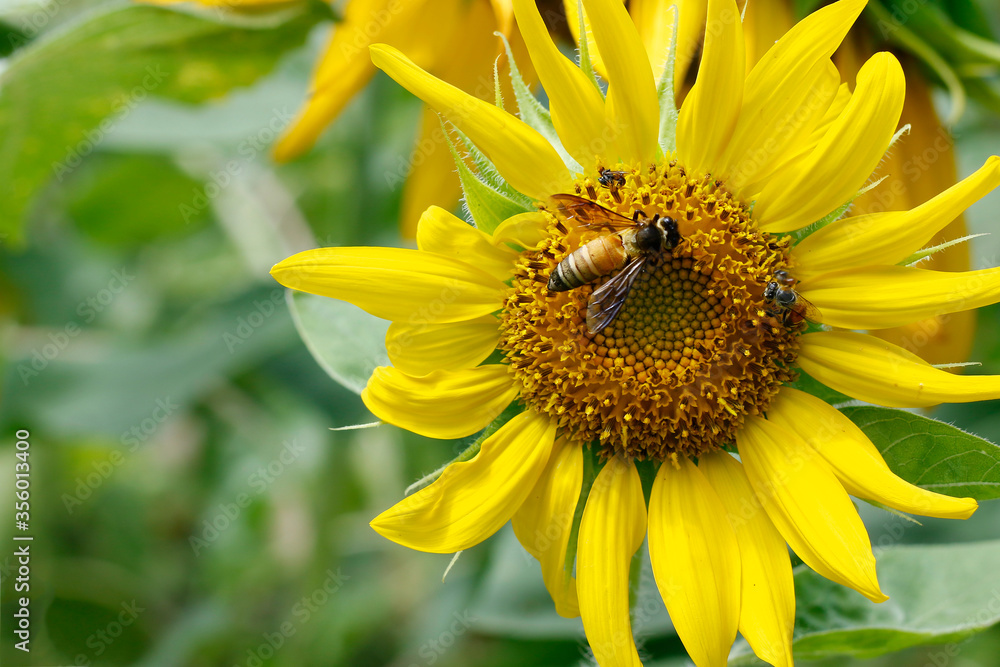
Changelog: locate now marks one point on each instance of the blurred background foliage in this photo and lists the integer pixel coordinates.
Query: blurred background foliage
(191, 505)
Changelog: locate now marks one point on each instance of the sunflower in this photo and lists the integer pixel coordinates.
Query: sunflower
(756, 170)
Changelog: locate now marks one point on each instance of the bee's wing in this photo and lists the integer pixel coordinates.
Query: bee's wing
(588, 214)
(607, 301)
(807, 309)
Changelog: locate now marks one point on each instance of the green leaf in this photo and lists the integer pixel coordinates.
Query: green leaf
(155, 187)
(931, 454)
(938, 594)
(141, 378)
(346, 342)
(67, 91)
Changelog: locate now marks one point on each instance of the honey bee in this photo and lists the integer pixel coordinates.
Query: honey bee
(633, 243)
(792, 306)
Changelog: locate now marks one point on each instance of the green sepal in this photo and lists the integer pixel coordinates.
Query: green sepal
(926, 253)
(487, 171)
(931, 454)
(487, 206)
(497, 93)
(800, 234)
(585, 62)
(665, 93)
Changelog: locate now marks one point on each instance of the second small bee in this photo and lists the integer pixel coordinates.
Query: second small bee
(631, 245)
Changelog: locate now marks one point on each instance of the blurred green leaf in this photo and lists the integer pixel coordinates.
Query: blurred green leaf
(932, 454)
(805, 7)
(969, 15)
(150, 211)
(103, 65)
(144, 381)
(346, 342)
(938, 594)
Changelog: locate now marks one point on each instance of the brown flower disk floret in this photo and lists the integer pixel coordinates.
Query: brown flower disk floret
(694, 349)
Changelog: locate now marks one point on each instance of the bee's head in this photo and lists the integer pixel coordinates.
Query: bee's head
(770, 292)
(648, 238)
(671, 233)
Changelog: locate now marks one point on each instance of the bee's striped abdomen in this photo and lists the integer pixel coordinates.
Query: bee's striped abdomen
(588, 263)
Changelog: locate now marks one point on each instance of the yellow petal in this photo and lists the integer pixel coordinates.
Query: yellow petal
(633, 111)
(523, 157)
(696, 561)
(846, 156)
(545, 521)
(420, 349)
(442, 404)
(879, 297)
(919, 168)
(473, 499)
(878, 372)
(856, 461)
(654, 19)
(429, 175)
(464, 61)
(394, 283)
(890, 237)
(227, 4)
(712, 108)
(345, 66)
(504, 12)
(524, 230)
(767, 603)
(611, 531)
(808, 505)
(576, 106)
(323, 106)
(445, 234)
(764, 23)
(788, 92)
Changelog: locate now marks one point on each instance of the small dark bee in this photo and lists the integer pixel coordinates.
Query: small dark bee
(792, 306)
(631, 245)
(609, 178)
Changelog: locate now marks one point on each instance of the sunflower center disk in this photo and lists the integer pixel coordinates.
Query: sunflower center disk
(693, 350)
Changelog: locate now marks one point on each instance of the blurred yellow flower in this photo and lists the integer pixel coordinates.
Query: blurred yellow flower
(452, 38)
(697, 363)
